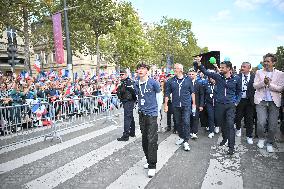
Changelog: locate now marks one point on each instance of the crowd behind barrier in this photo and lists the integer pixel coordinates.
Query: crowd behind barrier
(27, 103)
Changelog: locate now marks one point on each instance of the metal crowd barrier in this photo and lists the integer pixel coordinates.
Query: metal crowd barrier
(22, 123)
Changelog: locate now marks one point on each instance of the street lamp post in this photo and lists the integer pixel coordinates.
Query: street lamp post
(68, 46)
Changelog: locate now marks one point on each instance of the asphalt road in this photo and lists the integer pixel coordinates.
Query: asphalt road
(91, 157)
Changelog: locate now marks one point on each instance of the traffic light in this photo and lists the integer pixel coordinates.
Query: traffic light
(12, 55)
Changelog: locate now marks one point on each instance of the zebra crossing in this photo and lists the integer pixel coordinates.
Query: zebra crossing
(91, 157)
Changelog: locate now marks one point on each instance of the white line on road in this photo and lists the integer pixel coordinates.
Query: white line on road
(224, 171)
(136, 176)
(69, 170)
(16, 163)
(40, 139)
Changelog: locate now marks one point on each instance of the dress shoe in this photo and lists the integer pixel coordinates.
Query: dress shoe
(231, 151)
(123, 138)
(223, 143)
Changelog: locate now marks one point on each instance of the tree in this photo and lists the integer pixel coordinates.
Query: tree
(173, 37)
(91, 20)
(127, 44)
(280, 58)
(21, 15)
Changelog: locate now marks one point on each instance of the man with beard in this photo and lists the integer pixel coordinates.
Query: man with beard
(228, 97)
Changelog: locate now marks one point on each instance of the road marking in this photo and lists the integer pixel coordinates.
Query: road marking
(69, 170)
(40, 139)
(136, 176)
(224, 171)
(16, 163)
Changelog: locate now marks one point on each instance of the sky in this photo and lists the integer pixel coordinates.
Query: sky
(243, 30)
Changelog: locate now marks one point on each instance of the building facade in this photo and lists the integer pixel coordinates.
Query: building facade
(47, 60)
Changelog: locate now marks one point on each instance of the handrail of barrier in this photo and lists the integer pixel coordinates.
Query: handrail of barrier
(52, 117)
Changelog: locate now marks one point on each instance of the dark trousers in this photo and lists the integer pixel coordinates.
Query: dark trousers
(182, 117)
(210, 116)
(282, 120)
(170, 114)
(194, 122)
(245, 110)
(129, 124)
(203, 116)
(149, 130)
(225, 117)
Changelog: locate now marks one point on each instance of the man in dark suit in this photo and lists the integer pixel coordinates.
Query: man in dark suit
(245, 108)
(199, 101)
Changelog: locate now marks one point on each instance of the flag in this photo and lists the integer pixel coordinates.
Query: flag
(24, 75)
(37, 65)
(86, 75)
(63, 73)
(58, 41)
(94, 77)
(39, 110)
(69, 90)
(52, 74)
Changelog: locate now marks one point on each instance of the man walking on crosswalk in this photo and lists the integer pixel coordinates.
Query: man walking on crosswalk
(147, 90)
(183, 99)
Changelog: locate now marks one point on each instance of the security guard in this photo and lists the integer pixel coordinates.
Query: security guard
(127, 96)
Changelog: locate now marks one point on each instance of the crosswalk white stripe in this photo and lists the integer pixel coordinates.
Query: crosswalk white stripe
(136, 176)
(16, 163)
(69, 170)
(40, 139)
(224, 171)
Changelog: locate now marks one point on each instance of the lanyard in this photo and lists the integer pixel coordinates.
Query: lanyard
(212, 88)
(145, 89)
(179, 85)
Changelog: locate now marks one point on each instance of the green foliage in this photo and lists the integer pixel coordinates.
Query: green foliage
(173, 36)
(280, 58)
(91, 20)
(127, 44)
(111, 28)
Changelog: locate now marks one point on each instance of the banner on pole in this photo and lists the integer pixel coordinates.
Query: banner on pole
(58, 41)
(170, 63)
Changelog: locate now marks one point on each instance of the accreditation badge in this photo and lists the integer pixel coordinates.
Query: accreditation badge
(142, 102)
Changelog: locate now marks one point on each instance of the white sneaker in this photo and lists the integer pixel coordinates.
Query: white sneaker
(260, 144)
(146, 166)
(269, 148)
(186, 146)
(194, 136)
(179, 141)
(217, 130)
(210, 135)
(249, 140)
(151, 173)
(207, 128)
(239, 132)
